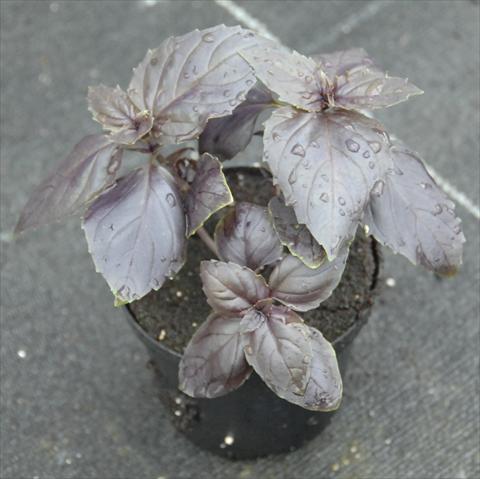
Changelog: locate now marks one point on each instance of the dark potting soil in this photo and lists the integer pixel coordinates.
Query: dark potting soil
(172, 314)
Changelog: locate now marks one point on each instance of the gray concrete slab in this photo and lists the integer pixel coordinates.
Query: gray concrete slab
(76, 398)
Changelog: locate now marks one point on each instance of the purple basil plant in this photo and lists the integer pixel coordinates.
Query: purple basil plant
(334, 169)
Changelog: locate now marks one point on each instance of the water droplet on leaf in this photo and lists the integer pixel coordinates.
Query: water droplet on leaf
(352, 145)
(298, 150)
(378, 187)
(292, 177)
(171, 200)
(437, 210)
(375, 146)
(208, 38)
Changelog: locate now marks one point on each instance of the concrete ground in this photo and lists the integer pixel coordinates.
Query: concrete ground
(76, 398)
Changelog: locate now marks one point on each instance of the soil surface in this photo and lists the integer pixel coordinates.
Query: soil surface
(173, 313)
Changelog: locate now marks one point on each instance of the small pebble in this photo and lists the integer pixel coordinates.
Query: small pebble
(390, 282)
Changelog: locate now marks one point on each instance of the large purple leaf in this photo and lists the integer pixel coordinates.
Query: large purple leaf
(208, 193)
(324, 388)
(303, 288)
(326, 164)
(339, 62)
(245, 235)
(370, 88)
(409, 213)
(229, 135)
(231, 288)
(279, 351)
(114, 110)
(86, 171)
(293, 77)
(136, 232)
(192, 78)
(296, 237)
(213, 363)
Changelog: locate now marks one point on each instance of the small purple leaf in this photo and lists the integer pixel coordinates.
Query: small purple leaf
(140, 126)
(370, 88)
(213, 363)
(229, 135)
(192, 78)
(302, 288)
(136, 232)
(114, 110)
(111, 107)
(245, 235)
(296, 237)
(252, 320)
(409, 213)
(231, 288)
(279, 351)
(293, 77)
(324, 388)
(86, 171)
(326, 164)
(209, 192)
(339, 62)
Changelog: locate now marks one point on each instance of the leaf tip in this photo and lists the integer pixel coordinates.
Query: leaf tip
(119, 301)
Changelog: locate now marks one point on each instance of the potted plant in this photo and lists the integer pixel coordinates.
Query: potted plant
(267, 244)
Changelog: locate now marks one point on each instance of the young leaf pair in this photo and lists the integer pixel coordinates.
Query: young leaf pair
(338, 168)
(254, 325)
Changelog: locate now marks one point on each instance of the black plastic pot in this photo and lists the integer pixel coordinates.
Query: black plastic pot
(249, 422)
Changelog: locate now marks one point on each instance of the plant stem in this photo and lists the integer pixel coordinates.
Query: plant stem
(207, 239)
